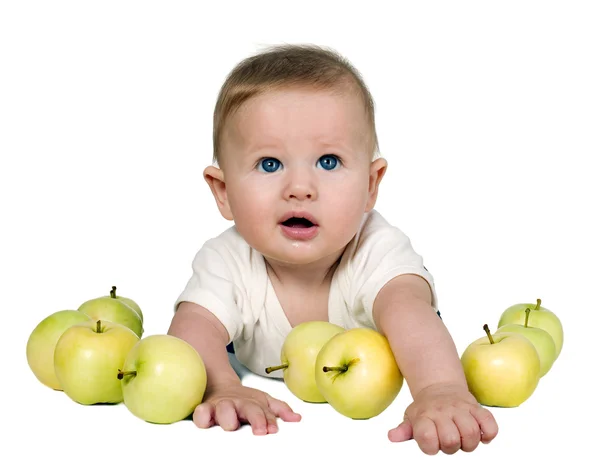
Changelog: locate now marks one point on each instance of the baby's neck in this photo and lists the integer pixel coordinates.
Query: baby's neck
(306, 277)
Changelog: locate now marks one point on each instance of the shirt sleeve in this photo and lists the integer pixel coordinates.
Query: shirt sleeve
(212, 286)
(382, 253)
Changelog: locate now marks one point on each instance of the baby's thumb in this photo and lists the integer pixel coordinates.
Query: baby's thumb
(401, 433)
(203, 416)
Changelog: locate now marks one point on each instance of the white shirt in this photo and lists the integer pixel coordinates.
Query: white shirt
(229, 278)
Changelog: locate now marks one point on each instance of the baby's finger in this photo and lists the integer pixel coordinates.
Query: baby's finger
(282, 410)
(470, 433)
(255, 416)
(487, 423)
(226, 415)
(271, 421)
(203, 416)
(448, 435)
(426, 436)
(402, 432)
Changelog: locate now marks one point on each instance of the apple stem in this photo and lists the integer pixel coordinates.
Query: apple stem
(113, 292)
(268, 370)
(122, 374)
(537, 306)
(527, 312)
(343, 368)
(487, 332)
(99, 326)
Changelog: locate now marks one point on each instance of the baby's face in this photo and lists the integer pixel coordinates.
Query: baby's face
(296, 165)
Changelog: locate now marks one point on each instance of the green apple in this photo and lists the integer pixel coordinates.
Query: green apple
(42, 341)
(88, 357)
(113, 310)
(502, 369)
(541, 339)
(299, 354)
(540, 317)
(163, 379)
(130, 302)
(356, 372)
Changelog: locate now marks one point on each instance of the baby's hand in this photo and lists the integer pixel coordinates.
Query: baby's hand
(230, 405)
(446, 418)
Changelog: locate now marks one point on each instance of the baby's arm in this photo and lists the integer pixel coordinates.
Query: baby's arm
(226, 401)
(444, 415)
(206, 333)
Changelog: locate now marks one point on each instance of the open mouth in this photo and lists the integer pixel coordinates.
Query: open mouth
(298, 223)
(299, 226)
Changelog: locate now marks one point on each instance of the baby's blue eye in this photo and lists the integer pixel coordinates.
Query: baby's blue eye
(269, 164)
(328, 161)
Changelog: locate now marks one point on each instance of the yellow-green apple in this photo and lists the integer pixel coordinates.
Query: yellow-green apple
(113, 310)
(163, 379)
(130, 302)
(502, 369)
(540, 317)
(541, 339)
(299, 354)
(87, 358)
(357, 374)
(42, 342)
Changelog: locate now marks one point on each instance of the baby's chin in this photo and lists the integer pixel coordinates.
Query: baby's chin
(321, 250)
(303, 255)
(292, 259)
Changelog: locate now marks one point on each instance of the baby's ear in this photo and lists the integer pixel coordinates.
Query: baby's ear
(216, 181)
(376, 173)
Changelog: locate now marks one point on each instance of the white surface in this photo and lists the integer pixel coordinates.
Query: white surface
(488, 116)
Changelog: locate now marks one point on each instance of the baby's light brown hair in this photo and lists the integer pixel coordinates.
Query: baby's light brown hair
(288, 65)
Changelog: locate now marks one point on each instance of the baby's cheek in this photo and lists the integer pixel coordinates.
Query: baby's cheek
(251, 202)
(346, 211)
(347, 201)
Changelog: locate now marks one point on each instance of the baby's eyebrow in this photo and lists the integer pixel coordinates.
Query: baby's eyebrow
(272, 146)
(251, 144)
(252, 150)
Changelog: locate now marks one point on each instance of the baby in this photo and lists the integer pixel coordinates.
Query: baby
(296, 168)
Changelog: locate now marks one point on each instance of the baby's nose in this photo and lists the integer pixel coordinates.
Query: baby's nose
(300, 193)
(301, 187)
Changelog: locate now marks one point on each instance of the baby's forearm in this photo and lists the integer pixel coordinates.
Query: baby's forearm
(422, 346)
(191, 324)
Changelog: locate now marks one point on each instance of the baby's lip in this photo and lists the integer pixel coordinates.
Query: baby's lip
(298, 214)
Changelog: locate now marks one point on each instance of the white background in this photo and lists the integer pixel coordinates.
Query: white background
(488, 114)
